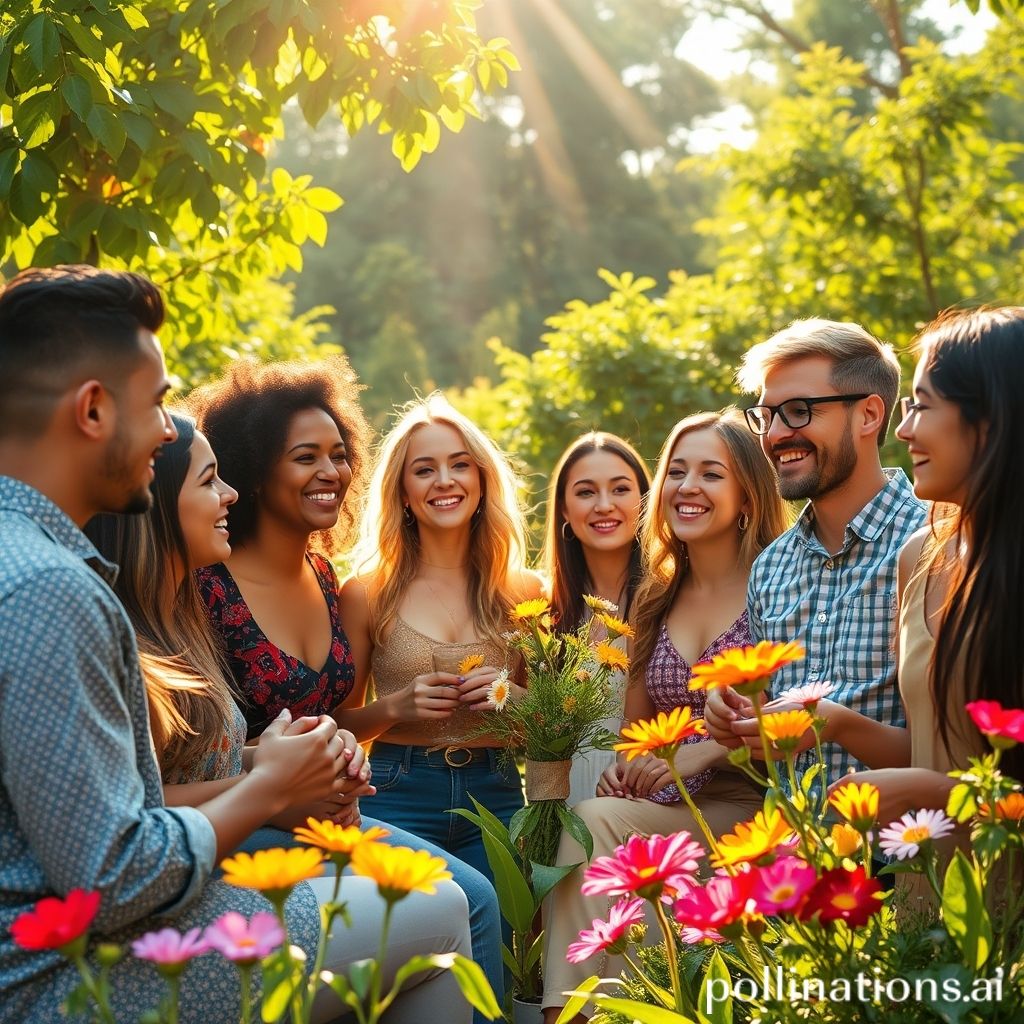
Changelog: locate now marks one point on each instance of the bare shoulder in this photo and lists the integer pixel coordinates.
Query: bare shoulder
(910, 555)
(355, 599)
(527, 584)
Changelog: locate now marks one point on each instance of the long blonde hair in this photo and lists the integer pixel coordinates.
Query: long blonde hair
(665, 559)
(387, 555)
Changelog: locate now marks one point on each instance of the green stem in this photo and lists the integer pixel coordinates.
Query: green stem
(671, 953)
(766, 746)
(644, 979)
(378, 1006)
(244, 976)
(694, 809)
(327, 916)
(104, 1011)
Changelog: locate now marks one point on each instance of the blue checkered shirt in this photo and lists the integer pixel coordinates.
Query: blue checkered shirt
(841, 607)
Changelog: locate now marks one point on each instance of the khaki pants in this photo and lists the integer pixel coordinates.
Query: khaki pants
(727, 799)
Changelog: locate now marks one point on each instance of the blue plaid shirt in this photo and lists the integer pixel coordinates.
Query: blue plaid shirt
(841, 607)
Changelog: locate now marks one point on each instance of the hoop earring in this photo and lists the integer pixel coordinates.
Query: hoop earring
(743, 522)
(407, 517)
(567, 536)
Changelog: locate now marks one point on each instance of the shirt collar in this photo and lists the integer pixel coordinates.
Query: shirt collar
(17, 496)
(875, 516)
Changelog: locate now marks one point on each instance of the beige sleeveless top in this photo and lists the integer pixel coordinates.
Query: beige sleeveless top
(408, 653)
(916, 646)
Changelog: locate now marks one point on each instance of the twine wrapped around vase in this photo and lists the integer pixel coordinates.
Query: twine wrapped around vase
(547, 780)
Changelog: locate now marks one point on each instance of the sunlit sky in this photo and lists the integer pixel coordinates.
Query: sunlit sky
(710, 45)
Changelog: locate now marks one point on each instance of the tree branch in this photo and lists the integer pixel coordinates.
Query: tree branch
(889, 15)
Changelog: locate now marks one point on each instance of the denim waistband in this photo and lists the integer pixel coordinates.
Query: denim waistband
(440, 757)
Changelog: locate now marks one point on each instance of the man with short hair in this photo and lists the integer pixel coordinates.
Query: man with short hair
(827, 391)
(82, 384)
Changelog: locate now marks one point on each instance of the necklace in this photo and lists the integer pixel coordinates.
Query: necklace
(437, 597)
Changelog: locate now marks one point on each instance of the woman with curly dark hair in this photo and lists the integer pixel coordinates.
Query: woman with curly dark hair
(291, 438)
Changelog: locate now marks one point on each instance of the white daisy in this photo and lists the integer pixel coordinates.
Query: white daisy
(498, 691)
(903, 838)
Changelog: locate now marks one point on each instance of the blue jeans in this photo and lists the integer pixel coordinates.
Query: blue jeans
(484, 916)
(416, 789)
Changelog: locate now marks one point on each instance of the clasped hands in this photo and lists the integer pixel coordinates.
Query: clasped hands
(436, 695)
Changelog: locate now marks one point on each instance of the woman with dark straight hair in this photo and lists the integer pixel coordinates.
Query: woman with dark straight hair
(596, 497)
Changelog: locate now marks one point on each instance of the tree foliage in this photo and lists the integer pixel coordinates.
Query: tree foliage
(134, 133)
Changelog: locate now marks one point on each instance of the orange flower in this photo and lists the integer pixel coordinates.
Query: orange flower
(747, 669)
(337, 840)
(1011, 807)
(470, 662)
(610, 657)
(398, 871)
(660, 736)
(752, 840)
(616, 627)
(784, 728)
(845, 839)
(857, 803)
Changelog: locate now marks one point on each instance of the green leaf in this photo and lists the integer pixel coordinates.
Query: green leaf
(490, 824)
(716, 976)
(641, 1013)
(77, 95)
(574, 825)
(42, 40)
(107, 130)
(523, 822)
(282, 977)
(322, 199)
(578, 1000)
(964, 913)
(360, 976)
(140, 130)
(544, 877)
(134, 17)
(25, 200)
(39, 174)
(36, 119)
(8, 165)
(475, 987)
(176, 98)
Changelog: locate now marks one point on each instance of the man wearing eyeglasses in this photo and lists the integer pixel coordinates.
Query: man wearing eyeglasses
(827, 391)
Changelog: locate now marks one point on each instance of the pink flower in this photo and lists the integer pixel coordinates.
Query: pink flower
(1003, 726)
(693, 936)
(809, 694)
(904, 838)
(245, 942)
(719, 902)
(169, 947)
(610, 934)
(644, 866)
(781, 886)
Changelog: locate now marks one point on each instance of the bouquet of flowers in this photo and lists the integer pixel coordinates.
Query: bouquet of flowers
(789, 923)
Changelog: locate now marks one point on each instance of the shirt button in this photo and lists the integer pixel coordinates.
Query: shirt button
(822, 617)
(830, 564)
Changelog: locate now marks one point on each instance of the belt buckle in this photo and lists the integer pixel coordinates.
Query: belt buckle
(448, 751)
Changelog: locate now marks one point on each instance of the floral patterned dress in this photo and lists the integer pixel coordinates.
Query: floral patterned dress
(267, 677)
(668, 679)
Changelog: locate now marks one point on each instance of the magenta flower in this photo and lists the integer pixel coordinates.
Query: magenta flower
(719, 902)
(644, 867)
(610, 934)
(242, 941)
(781, 886)
(1003, 726)
(694, 936)
(168, 947)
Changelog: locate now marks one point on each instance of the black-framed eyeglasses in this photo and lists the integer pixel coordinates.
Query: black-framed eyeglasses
(795, 413)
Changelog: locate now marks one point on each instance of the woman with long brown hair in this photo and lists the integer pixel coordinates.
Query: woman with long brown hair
(714, 506)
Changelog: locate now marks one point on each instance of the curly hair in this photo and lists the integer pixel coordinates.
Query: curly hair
(245, 415)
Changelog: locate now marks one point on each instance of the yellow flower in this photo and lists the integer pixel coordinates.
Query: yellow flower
(784, 728)
(498, 691)
(1010, 807)
(599, 604)
(660, 736)
(610, 657)
(526, 610)
(335, 839)
(747, 669)
(398, 871)
(857, 802)
(570, 704)
(470, 662)
(616, 627)
(274, 872)
(845, 839)
(752, 840)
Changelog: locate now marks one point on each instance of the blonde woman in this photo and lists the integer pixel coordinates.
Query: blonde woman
(439, 565)
(714, 506)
